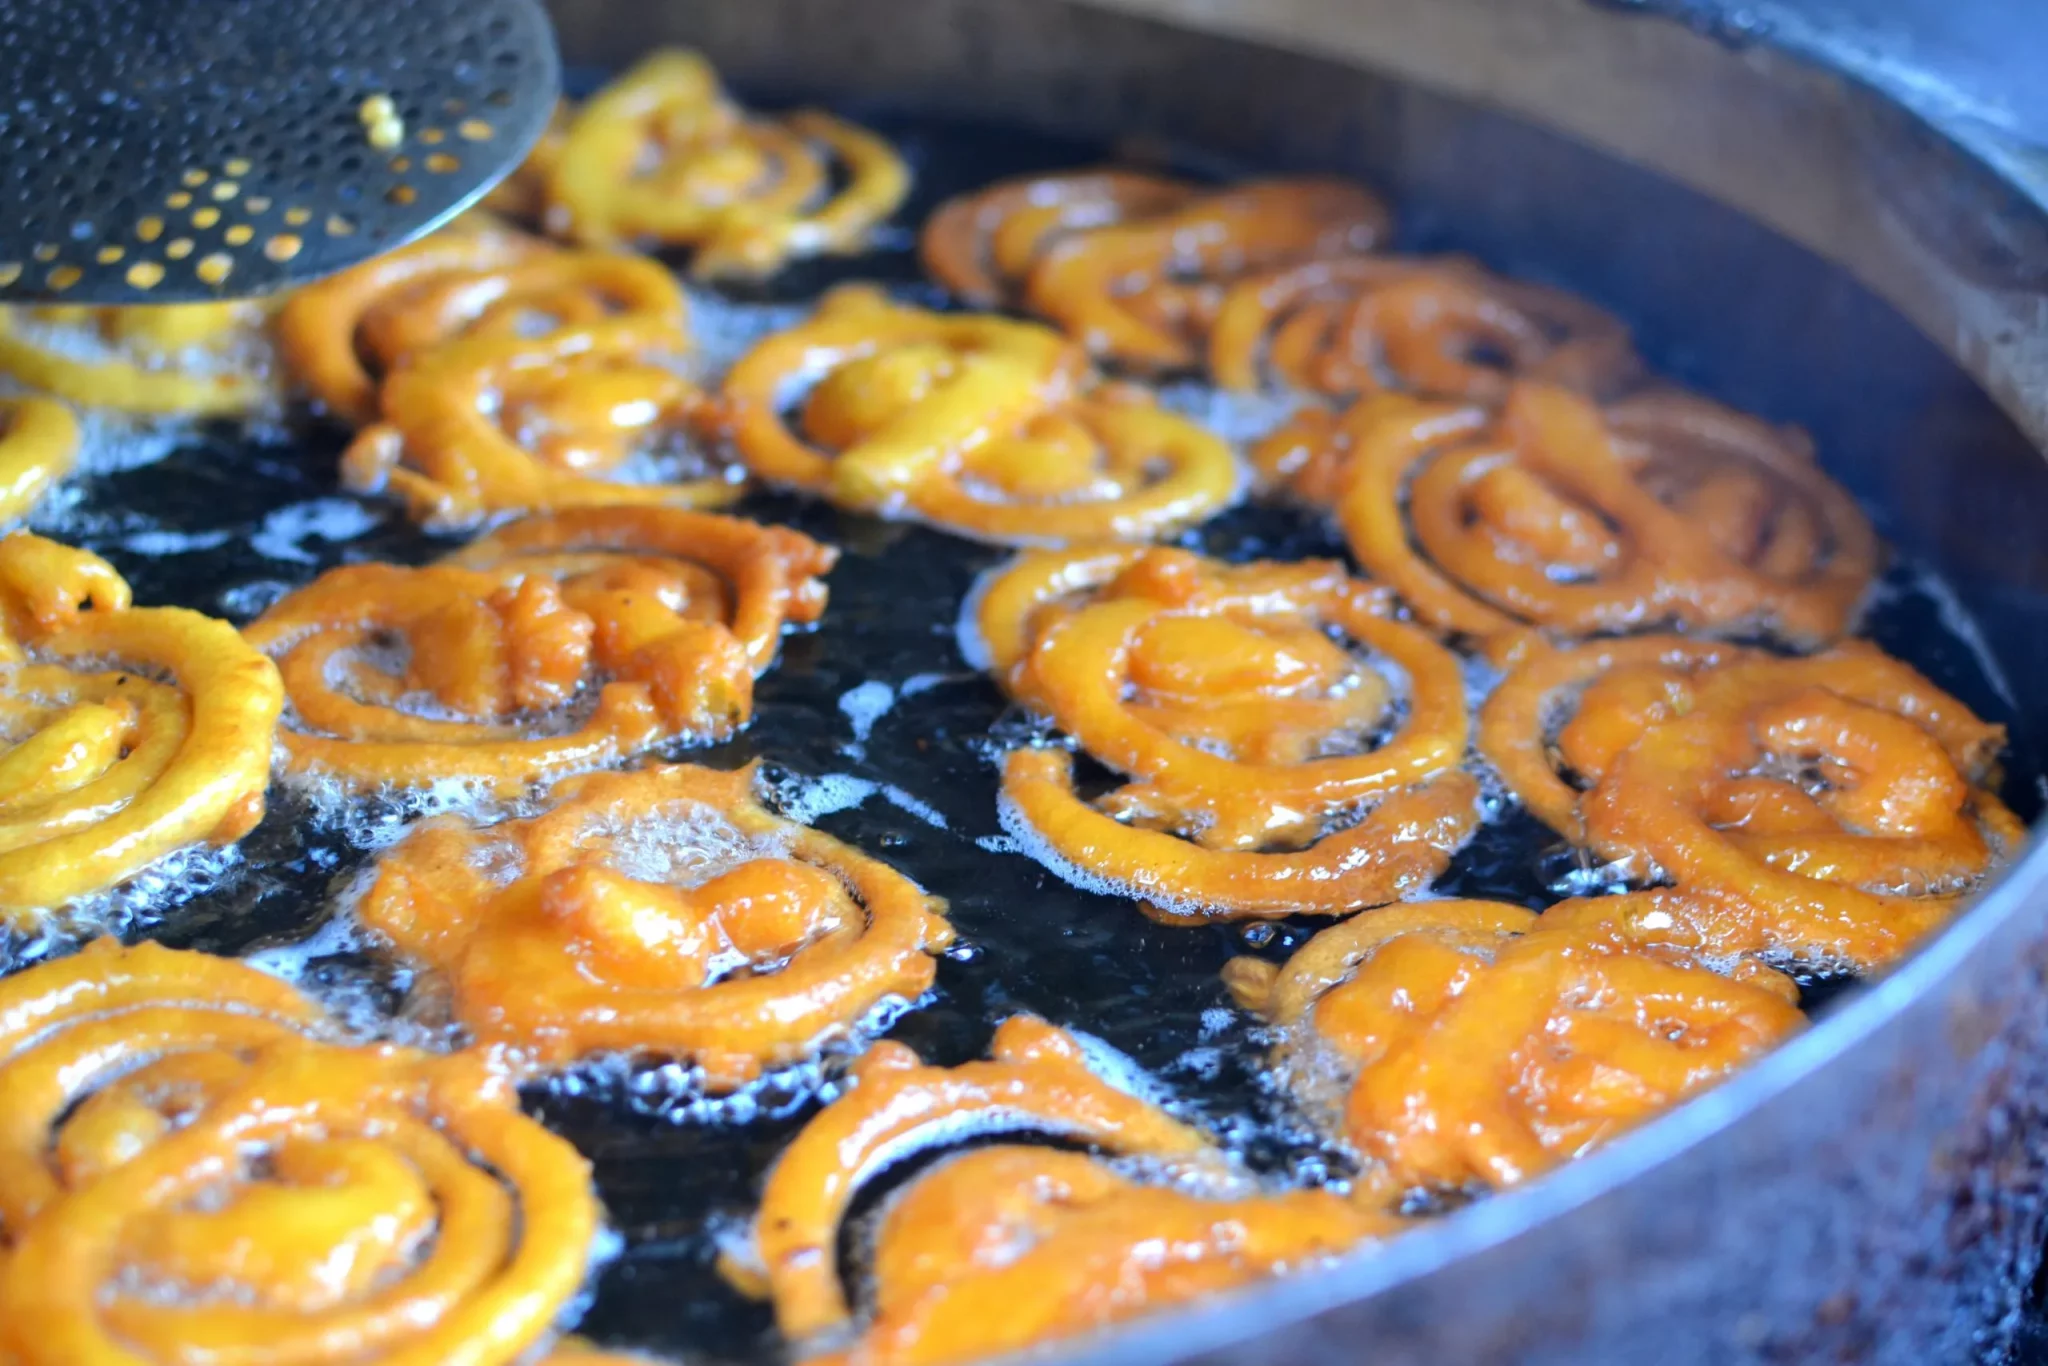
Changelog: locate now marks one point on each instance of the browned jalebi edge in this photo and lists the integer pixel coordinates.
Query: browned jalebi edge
(480, 667)
(192, 1169)
(1482, 1044)
(752, 944)
(1829, 810)
(1551, 515)
(1268, 774)
(1002, 1248)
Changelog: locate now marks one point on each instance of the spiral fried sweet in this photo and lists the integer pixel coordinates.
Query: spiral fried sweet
(662, 911)
(982, 425)
(1038, 1078)
(342, 335)
(1483, 1045)
(557, 643)
(165, 360)
(38, 443)
(661, 155)
(1146, 292)
(130, 732)
(983, 245)
(583, 416)
(1665, 510)
(1831, 809)
(1273, 767)
(1446, 329)
(1005, 1248)
(190, 1175)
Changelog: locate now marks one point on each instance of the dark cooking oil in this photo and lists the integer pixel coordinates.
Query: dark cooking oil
(874, 726)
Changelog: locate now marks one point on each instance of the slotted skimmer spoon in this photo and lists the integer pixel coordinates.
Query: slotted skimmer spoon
(175, 150)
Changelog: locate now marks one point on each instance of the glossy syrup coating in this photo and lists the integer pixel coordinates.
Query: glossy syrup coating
(1273, 768)
(1482, 1045)
(747, 942)
(1830, 810)
(172, 360)
(981, 425)
(130, 732)
(342, 335)
(1553, 515)
(188, 1171)
(482, 666)
(1135, 267)
(586, 415)
(39, 440)
(1439, 328)
(1006, 1247)
(663, 156)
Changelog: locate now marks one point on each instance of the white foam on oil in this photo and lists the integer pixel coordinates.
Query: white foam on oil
(1238, 418)
(805, 799)
(164, 542)
(285, 532)
(863, 705)
(171, 881)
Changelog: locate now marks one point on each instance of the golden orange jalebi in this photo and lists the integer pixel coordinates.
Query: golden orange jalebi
(188, 1173)
(1550, 514)
(1273, 768)
(576, 1352)
(1146, 292)
(662, 911)
(130, 732)
(990, 427)
(38, 443)
(1444, 328)
(1831, 809)
(585, 416)
(1009, 1246)
(479, 667)
(1484, 1045)
(663, 156)
(342, 335)
(1005, 1248)
(1136, 266)
(983, 245)
(186, 360)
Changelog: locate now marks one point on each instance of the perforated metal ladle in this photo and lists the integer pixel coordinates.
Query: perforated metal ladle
(177, 150)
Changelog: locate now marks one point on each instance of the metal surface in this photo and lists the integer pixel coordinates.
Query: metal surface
(1873, 1191)
(154, 151)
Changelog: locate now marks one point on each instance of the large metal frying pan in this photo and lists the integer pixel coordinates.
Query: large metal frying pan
(1873, 1191)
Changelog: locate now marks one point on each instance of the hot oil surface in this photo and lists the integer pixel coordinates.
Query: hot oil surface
(874, 724)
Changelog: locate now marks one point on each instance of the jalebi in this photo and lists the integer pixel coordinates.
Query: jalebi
(983, 245)
(1146, 292)
(584, 416)
(187, 1173)
(1273, 768)
(131, 732)
(662, 156)
(661, 911)
(982, 425)
(477, 278)
(1664, 510)
(1010, 1246)
(1446, 329)
(1005, 1248)
(1831, 809)
(1136, 266)
(479, 667)
(163, 360)
(1484, 1044)
(38, 443)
